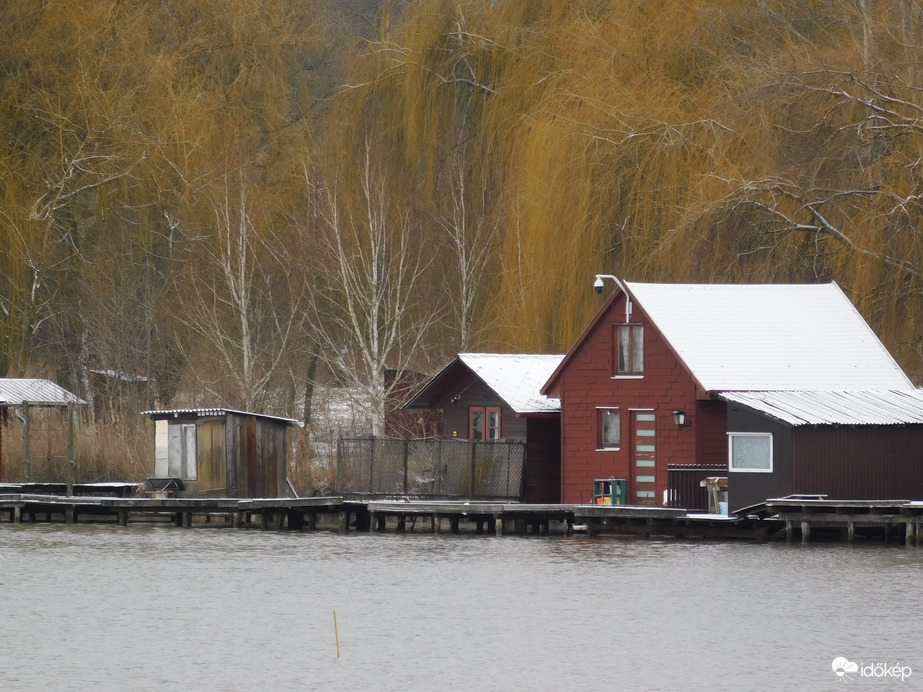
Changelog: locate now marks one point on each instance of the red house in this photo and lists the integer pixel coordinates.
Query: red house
(640, 389)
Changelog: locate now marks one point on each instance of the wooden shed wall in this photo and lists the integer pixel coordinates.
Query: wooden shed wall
(868, 462)
(476, 393)
(257, 455)
(542, 482)
(212, 458)
(746, 489)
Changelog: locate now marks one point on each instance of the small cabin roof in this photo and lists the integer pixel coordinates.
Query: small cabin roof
(35, 392)
(212, 412)
(889, 407)
(516, 378)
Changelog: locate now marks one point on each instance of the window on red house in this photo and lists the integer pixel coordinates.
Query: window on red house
(629, 349)
(609, 425)
(484, 423)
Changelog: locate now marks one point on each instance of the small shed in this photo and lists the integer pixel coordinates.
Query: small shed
(219, 452)
(25, 394)
(847, 445)
(495, 396)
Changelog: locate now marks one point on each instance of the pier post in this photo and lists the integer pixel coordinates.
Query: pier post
(805, 531)
(788, 529)
(381, 522)
(343, 522)
(850, 531)
(123, 517)
(69, 513)
(910, 531)
(436, 527)
(187, 520)
(498, 525)
(310, 521)
(453, 524)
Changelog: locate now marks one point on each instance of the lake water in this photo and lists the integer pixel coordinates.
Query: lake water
(150, 608)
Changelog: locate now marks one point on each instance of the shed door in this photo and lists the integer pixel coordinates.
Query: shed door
(181, 443)
(644, 457)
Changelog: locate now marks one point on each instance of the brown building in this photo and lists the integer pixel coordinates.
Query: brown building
(865, 445)
(493, 397)
(220, 452)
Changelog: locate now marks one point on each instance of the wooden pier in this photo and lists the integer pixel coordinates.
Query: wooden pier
(804, 518)
(812, 517)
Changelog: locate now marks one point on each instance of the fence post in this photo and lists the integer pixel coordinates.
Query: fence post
(474, 454)
(405, 465)
(336, 481)
(26, 457)
(71, 464)
(371, 464)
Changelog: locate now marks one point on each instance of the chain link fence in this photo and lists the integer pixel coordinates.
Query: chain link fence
(430, 468)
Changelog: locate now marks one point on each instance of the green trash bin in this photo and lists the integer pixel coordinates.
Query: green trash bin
(610, 491)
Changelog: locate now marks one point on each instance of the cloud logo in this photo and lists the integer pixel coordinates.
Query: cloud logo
(841, 666)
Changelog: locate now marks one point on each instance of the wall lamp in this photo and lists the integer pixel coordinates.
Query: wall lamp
(598, 287)
(679, 417)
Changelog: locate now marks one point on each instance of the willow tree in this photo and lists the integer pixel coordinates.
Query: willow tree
(695, 141)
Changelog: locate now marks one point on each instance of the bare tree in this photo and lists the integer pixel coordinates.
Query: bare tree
(238, 300)
(369, 314)
(471, 241)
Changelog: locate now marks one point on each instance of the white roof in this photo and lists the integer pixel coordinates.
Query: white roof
(516, 378)
(38, 392)
(878, 407)
(769, 336)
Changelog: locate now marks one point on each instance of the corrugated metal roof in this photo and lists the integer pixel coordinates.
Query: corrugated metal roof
(203, 412)
(895, 407)
(38, 392)
(769, 336)
(516, 378)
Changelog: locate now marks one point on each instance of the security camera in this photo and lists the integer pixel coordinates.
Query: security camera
(598, 285)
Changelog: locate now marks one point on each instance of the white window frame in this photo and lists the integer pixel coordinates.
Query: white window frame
(732, 468)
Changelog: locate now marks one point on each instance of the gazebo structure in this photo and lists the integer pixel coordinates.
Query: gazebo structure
(24, 394)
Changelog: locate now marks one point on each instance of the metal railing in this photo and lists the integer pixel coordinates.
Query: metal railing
(683, 484)
(379, 467)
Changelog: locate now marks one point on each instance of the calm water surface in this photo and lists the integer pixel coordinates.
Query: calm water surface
(147, 608)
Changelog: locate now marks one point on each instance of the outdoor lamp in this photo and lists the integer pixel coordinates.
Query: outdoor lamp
(679, 417)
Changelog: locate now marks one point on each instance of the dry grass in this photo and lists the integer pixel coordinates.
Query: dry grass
(101, 452)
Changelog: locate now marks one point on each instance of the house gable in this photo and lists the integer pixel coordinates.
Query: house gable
(699, 341)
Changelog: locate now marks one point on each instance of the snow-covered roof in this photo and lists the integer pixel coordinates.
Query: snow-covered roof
(516, 378)
(893, 407)
(37, 392)
(740, 337)
(208, 412)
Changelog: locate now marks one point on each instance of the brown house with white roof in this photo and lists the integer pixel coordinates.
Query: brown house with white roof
(642, 387)
(493, 397)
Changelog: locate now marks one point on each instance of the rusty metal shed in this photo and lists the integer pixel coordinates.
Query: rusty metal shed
(219, 452)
